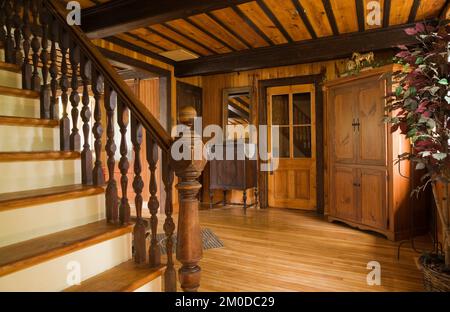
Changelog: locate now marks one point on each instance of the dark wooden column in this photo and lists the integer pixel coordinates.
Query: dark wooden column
(86, 153)
(170, 275)
(138, 185)
(153, 203)
(111, 200)
(189, 240)
(26, 32)
(97, 129)
(123, 118)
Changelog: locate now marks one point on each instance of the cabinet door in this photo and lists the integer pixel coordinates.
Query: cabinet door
(373, 193)
(345, 193)
(342, 118)
(371, 134)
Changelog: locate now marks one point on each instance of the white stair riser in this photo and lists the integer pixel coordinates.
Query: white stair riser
(20, 224)
(10, 79)
(28, 139)
(30, 175)
(54, 274)
(153, 286)
(15, 106)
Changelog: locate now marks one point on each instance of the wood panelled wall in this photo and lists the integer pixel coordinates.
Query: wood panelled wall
(214, 85)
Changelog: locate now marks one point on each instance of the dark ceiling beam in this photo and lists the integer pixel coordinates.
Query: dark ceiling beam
(118, 16)
(209, 34)
(189, 38)
(180, 44)
(304, 17)
(128, 45)
(330, 15)
(315, 50)
(360, 14)
(231, 31)
(413, 12)
(274, 20)
(386, 12)
(252, 25)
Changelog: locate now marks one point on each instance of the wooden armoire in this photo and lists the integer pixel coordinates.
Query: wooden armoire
(368, 189)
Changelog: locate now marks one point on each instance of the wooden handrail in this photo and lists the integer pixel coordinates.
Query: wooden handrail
(138, 109)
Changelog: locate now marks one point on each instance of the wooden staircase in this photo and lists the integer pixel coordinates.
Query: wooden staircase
(65, 222)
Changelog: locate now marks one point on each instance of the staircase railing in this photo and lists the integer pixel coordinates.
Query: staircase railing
(60, 62)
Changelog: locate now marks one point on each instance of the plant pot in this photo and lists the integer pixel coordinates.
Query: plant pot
(436, 278)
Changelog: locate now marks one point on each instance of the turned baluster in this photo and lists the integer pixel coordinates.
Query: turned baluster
(45, 88)
(35, 46)
(64, 123)
(74, 97)
(170, 275)
(86, 153)
(97, 130)
(112, 204)
(54, 37)
(189, 241)
(9, 41)
(26, 33)
(17, 23)
(2, 21)
(123, 120)
(138, 186)
(153, 203)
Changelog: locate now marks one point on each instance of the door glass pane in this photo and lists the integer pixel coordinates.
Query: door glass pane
(301, 103)
(281, 150)
(302, 142)
(280, 109)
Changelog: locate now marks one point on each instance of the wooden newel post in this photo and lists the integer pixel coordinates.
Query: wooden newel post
(189, 240)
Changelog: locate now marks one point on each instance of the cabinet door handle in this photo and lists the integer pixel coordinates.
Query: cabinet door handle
(358, 124)
(353, 124)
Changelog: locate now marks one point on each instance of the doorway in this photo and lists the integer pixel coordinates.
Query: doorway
(291, 114)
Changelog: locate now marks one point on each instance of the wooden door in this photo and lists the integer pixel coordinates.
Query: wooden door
(371, 129)
(342, 124)
(372, 187)
(345, 193)
(291, 111)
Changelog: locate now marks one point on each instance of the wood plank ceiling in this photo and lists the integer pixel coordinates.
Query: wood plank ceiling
(264, 23)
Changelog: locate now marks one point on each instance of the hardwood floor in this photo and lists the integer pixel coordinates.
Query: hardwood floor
(288, 250)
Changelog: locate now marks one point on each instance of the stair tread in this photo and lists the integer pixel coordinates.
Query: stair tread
(33, 156)
(19, 92)
(37, 250)
(28, 121)
(22, 199)
(125, 277)
(10, 67)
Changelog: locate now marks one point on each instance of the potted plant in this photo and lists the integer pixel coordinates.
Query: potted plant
(420, 109)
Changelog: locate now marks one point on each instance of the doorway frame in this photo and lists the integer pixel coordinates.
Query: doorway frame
(316, 80)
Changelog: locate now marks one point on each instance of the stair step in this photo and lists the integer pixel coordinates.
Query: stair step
(10, 67)
(56, 208)
(23, 199)
(23, 255)
(28, 134)
(28, 122)
(126, 277)
(21, 93)
(35, 156)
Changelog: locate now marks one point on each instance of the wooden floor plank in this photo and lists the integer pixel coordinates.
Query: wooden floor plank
(31, 252)
(21, 199)
(287, 250)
